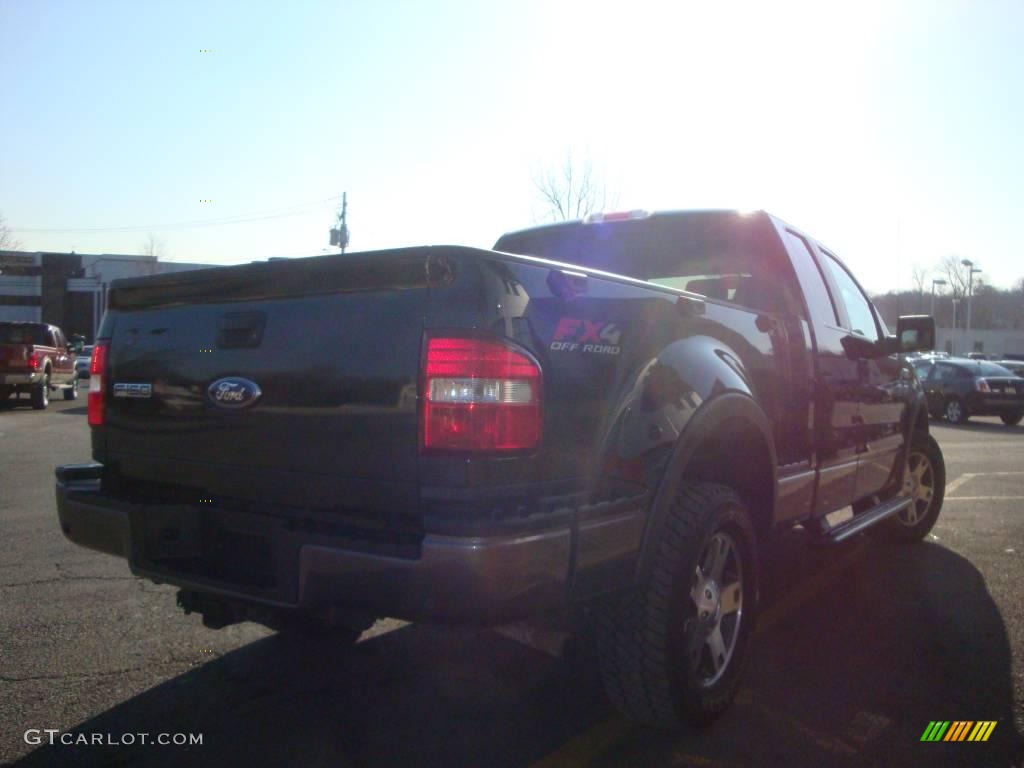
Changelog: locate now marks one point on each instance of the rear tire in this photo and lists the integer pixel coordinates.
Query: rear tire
(71, 393)
(925, 481)
(672, 651)
(956, 411)
(41, 393)
(1011, 419)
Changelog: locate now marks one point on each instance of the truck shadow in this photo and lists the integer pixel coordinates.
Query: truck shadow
(80, 410)
(852, 676)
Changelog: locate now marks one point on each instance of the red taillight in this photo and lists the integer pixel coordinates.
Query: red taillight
(981, 385)
(480, 395)
(33, 360)
(97, 374)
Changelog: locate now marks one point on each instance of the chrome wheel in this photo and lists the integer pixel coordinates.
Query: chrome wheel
(717, 597)
(954, 411)
(919, 485)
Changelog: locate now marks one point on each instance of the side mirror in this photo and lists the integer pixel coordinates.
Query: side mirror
(859, 348)
(916, 333)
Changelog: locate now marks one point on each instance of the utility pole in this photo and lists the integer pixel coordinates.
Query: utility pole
(339, 234)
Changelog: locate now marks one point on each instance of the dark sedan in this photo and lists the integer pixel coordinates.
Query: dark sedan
(960, 388)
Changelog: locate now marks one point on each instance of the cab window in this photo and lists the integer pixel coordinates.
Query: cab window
(858, 308)
(819, 303)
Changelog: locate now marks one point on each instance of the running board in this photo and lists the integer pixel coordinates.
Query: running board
(857, 523)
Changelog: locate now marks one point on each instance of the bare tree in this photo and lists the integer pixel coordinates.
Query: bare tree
(152, 246)
(956, 274)
(570, 191)
(918, 276)
(8, 242)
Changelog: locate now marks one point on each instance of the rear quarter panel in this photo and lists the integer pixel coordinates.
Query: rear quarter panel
(626, 365)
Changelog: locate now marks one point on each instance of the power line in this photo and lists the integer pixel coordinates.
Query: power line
(243, 218)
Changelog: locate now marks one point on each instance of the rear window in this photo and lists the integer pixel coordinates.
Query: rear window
(721, 255)
(23, 334)
(991, 369)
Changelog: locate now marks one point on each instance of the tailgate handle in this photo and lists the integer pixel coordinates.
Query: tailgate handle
(241, 330)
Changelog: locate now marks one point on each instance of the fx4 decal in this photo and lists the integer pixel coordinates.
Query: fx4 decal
(575, 334)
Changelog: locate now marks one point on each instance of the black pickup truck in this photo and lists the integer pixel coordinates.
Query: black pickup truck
(606, 418)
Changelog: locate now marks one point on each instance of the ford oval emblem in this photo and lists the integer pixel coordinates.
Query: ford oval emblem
(233, 392)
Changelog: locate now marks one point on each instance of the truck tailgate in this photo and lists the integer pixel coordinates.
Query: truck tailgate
(286, 383)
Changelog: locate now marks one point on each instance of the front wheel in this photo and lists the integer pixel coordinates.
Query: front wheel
(924, 481)
(71, 393)
(672, 652)
(1010, 419)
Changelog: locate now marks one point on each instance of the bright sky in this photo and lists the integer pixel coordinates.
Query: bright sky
(892, 131)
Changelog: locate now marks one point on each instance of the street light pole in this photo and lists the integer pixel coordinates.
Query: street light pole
(970, 292)
(935, 281)
(952, 342)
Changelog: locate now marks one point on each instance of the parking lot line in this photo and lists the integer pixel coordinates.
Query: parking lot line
(946, 446)
(809, 589)
(951, 487)
(589, 745)
(985, 498)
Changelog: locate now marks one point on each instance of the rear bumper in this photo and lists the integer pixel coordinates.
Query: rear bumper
(478, 579)
(994, 405)
(20, 379)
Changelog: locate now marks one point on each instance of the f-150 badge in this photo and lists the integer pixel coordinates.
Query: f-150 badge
(135, 391)
(233, 392)
(575, 334)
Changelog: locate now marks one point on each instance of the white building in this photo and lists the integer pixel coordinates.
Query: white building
(996, 344)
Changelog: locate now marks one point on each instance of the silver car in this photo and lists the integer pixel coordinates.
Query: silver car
(82, 361)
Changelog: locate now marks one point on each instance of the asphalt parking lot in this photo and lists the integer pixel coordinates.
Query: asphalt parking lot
(859, 649)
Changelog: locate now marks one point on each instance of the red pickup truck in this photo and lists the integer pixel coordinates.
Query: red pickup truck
(34, 358)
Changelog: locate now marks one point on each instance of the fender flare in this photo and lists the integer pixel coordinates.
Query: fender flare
(913, 412)
(730, 406)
